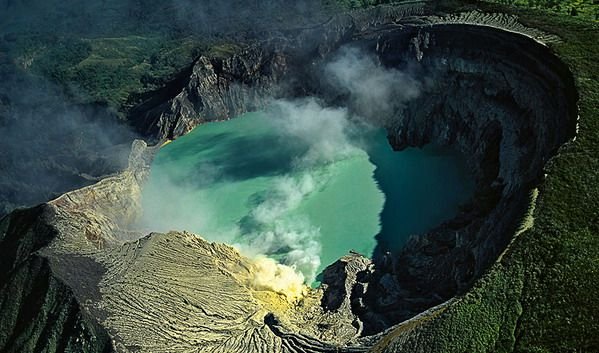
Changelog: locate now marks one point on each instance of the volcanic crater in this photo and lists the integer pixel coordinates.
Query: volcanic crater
(490, 90)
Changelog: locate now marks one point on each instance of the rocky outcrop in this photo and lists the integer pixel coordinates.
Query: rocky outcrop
(38, 310)
(41, 301)
(217, 89)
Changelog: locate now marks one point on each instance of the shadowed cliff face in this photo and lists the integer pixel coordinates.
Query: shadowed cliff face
(500, 98)
(507, 104)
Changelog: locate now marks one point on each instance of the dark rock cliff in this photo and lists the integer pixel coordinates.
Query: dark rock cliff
(507, 104)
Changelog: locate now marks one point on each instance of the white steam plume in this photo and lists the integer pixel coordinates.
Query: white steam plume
(325, 130)
(375, 92)
(293, 240)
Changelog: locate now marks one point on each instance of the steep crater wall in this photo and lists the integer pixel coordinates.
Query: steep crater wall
(507, 103)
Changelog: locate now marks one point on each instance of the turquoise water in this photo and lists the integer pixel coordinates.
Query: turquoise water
(251, 183)
(423, 186)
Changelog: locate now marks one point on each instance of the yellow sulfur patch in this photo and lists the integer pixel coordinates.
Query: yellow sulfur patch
(270, 275)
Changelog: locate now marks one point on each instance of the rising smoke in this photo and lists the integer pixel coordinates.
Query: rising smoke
(49, 146)
(330, 134)
(373, 92)
(327, 134)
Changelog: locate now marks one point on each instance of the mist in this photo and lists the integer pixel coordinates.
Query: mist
(373, 92)
(135, 17)
(230, 16)
(49, 146)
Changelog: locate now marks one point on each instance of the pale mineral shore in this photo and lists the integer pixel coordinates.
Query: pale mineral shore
(74, 273)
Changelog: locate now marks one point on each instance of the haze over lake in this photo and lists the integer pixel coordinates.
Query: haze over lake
(303, 200)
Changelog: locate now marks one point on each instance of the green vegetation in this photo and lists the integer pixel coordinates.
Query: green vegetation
(352, 4)
(105, 69)
(565, 238)
(223, 50)
(116, 70)
(588, 9)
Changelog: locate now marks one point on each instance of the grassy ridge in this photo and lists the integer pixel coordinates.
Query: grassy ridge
(111, 51)
(586, 9)
(561, 312)
(117, 68)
